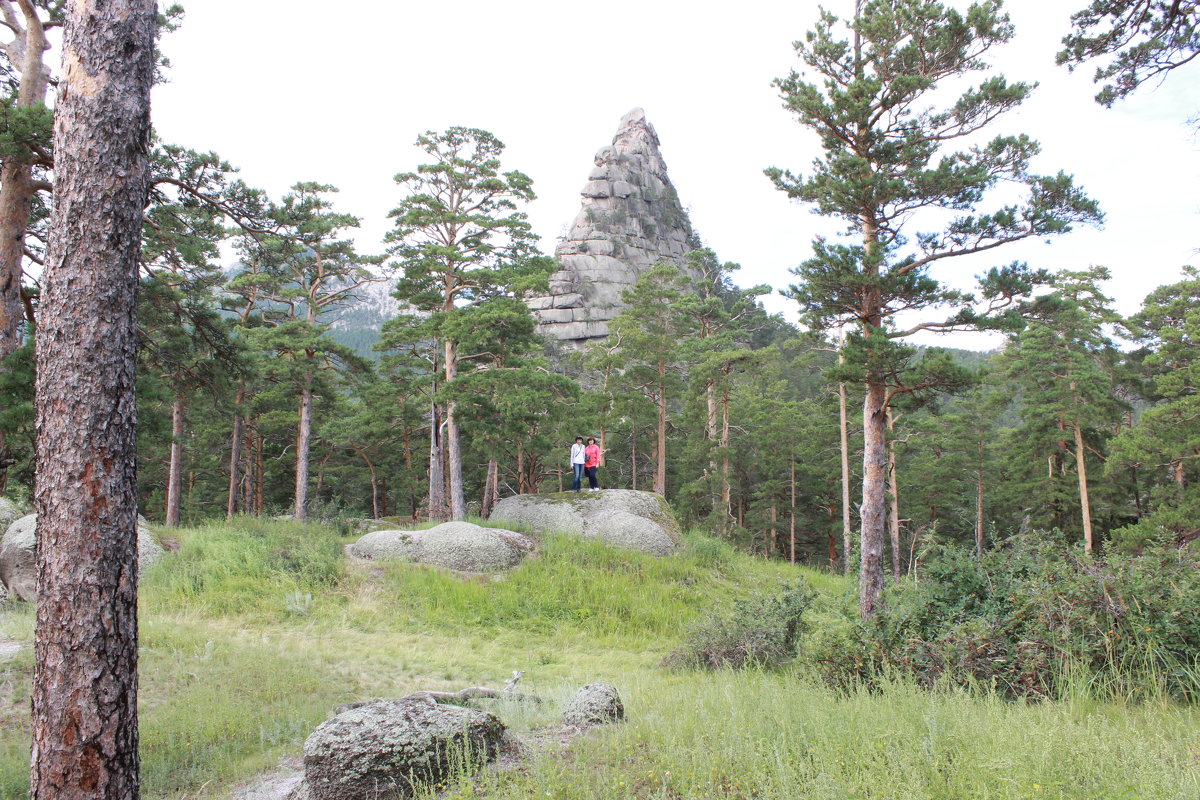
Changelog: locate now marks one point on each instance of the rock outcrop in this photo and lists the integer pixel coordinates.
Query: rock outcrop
(631, 219)
(620, 517)
(10, 512)
(18, 560)
(388, 748)
(461, 546)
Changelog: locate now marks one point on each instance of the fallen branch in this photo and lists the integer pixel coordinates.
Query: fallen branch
(472, 693)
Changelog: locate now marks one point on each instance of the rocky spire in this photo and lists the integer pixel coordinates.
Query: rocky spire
(630, 220)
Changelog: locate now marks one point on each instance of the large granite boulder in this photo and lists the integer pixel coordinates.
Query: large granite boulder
(18, 558)
(594, 704)
(630, 220)
(621, 517)
(390, 747)
(460, 546)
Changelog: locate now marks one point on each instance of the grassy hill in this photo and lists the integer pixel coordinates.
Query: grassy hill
(254, 631)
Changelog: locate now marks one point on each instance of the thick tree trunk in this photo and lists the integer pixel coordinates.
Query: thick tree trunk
(870, 577)
(303, 445)
(235, 443)
(260, 471)
(893, 489)
(16, 181)
(1085, 506)
(175, 466)
(84, 715)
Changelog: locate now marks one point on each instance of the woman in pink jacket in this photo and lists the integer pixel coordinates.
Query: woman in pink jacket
(591, 463)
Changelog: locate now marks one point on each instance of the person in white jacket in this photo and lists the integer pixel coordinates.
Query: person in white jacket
(578, 456)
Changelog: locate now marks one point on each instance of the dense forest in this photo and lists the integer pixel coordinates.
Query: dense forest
(281, 371)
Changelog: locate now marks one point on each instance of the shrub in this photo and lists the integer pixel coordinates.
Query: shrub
(760, 631)
(1031, 617)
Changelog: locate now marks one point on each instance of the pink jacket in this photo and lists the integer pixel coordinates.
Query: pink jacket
(592, 456)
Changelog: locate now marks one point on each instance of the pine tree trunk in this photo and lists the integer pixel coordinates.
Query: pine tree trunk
(726, 489)
(491, 489)
(1085, 506)
(833, 553)
(374, 486)
(235, 443)
(175, 466)
(84, 697)
(260, 473)
(894, 498)
(457, 498)
(870, 578)
(303, 445)
(711, 435)
(660, 456)
(979, 501)
(437, 479)
(844, 432)
(633, 465)
(16, 180)
(792, 513)
(521, 487)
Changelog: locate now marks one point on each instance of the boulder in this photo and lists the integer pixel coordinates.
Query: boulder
(621, 517)
(18, 560)
(461, 546)
(10, 512)
(390, 747)
(594, 704)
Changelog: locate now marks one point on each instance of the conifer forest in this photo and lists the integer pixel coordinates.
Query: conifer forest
(233, 364)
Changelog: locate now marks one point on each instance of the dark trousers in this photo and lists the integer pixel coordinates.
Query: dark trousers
(591, 473)
(578, 480)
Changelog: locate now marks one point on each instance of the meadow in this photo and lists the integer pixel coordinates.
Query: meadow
(255, 630)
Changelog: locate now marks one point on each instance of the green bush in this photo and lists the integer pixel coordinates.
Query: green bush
(760, 631)
(1031, 619)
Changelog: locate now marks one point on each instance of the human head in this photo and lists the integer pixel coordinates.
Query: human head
(579, 438)
(591, 440)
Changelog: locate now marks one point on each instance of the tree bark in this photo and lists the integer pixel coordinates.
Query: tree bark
(893, 489)
(870, 578)
(660, 455)
(437, 480)
(458, 500)
(844, 429)
(175, 466)
(235, 443)
(84, 703)
(491, 489)
(303, 445)
(979, 501)
(726, 490)
(16, 181)
(1085, 506)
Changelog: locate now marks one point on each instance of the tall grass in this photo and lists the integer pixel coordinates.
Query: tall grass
(255, 630)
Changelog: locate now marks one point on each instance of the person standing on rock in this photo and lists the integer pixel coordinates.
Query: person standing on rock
(591, 463)
(578, 457)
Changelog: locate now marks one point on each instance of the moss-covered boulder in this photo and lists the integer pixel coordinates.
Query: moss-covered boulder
(390, 748)
(10, 512)
(460, 546)
(18, 559)
(621, 517)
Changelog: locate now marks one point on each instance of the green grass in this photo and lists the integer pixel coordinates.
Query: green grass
(254, 631)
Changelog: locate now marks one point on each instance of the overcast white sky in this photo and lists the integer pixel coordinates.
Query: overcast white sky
(292, 90)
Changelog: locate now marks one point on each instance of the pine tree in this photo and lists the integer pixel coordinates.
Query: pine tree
(459, 239)
(886, 159)
(84, 698)
(1063, 365)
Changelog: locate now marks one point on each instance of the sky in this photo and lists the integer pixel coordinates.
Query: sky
(293, 90)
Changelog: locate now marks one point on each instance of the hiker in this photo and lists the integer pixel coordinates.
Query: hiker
(592, 463)
(578, 457)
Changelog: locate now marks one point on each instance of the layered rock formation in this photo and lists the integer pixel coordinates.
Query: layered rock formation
(630, 220)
